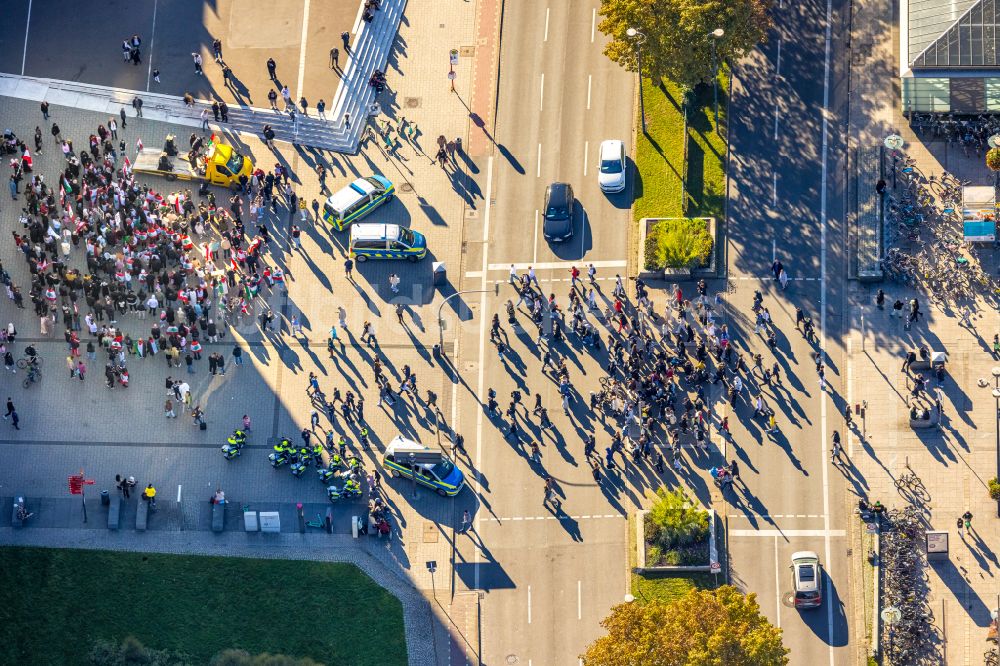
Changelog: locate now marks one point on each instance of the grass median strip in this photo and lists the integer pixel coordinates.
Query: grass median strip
(660, 186)
(57, 603)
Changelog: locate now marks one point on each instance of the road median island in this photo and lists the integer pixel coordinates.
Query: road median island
(681, 160)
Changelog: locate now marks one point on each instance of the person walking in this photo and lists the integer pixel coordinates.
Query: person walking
(966, 520)
(45, 109)
(345, 37)
(466, 522)
(321, 112)
(197, 63)
(14, 420)
(348, 268)
(224, 111)
(335, 59)
(137, 105)
(271, 68)
(204, 118)
(10, 409)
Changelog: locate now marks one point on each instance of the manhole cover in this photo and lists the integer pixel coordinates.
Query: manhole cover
(472, 213)
(512, 659)
(406, 187)
(411, 102)
(467, 51)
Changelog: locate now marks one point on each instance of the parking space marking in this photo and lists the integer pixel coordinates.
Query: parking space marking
(302, 48)
(152, 41)
(546, 25)
(541, 92)
(27, 29)
(593, 27)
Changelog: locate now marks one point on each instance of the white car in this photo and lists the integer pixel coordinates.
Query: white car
(807, 579)
(611, 174)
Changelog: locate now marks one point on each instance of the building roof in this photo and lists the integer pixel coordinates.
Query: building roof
(952, 34)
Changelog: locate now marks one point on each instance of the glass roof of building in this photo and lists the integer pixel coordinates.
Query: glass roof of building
(952, 34)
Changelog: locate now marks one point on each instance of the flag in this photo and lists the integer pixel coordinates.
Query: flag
(138, 147)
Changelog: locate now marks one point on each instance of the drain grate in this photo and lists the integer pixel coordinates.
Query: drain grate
(472, 213)
(406, 187)
(467, 51)
(411, 102)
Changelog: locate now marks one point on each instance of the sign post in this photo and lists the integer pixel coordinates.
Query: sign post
(77, 484)
(452, 61)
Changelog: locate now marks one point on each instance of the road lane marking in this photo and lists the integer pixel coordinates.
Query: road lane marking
(541, 92)
(822, 319)
(302, 48)
(777, 69)
(774, 250)
(546, 25)
(775, 121)
(178, 493)
(756, 516)
(586, 158)
(777, 587)
(480, 382)
(774, 190)
(534, 246)
(557, 264)
(589, 79)
(593, 25)
(579, 600)
(583, 232)
(529, 604)
(538, 169)
(561, 517)
(788, 533)
(27, 29)
(472, 275)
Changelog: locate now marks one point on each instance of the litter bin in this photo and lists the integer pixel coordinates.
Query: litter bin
(105, 498)
(439, 274)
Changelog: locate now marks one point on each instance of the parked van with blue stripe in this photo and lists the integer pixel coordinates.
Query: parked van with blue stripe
(357, 200)
(430, 468)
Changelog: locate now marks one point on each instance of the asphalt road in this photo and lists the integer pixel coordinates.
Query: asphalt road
(549, 575)
(786, 202)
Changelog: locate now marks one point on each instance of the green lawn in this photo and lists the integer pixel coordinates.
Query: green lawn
(54, 604)
(660, 153)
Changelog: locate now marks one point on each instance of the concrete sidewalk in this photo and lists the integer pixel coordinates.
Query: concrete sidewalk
(956, 460)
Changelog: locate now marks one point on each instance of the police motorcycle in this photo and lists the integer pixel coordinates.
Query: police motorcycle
(282, 454)
(234, 445)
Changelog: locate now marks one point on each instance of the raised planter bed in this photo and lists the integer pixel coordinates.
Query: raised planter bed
(711, 563)
(671, 274)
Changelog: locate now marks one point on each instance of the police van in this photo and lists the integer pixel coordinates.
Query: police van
(404, 457)
(357, 200)
(386, 241)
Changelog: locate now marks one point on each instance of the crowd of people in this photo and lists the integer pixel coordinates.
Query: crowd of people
(119, 268)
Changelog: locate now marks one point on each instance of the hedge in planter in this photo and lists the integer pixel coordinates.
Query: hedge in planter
(677, 243)
(676, 530)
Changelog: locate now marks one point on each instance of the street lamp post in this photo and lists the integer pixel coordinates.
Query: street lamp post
(716, 35)
(996, 397)
(894, 142)
(640, 39)
(495, 290)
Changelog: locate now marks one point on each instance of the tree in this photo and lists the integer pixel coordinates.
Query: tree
(720, 627)
(993, 159)
(678, 43)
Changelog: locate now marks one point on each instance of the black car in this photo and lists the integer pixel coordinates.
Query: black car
(558, 212)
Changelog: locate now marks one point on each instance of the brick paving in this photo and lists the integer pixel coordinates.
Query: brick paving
(67, 425)
(956, 461)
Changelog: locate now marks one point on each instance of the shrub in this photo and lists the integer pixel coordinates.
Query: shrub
(994, 488)
(130, 651)
(677, 243)
(674, 521)
(993, 159)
